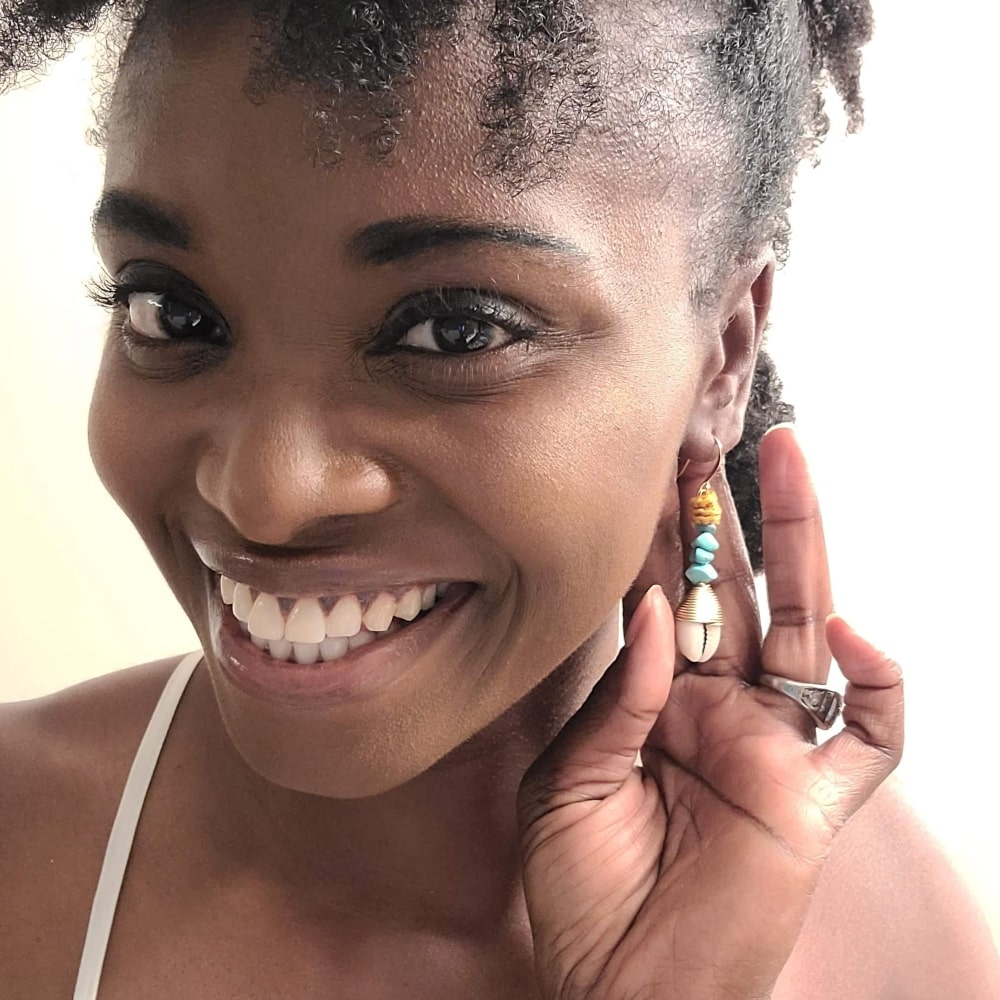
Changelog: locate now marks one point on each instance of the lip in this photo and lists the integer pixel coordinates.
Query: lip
(309, 576)
(360, 674)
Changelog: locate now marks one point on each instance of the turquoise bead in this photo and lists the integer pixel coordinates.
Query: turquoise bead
(702, 556)
(701, 574)
(707, 541)
(710, 528)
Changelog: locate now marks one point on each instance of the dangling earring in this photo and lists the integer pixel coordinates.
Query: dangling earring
(699, 618)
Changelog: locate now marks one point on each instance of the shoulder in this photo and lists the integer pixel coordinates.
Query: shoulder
(64, 759)
(891, 918)
(68, 753)
(80, 735)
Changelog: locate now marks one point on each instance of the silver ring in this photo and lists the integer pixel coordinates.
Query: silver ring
(824, 704)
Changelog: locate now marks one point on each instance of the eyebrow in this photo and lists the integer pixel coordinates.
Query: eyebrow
(379, 243)
(401, 239)
(129, 213)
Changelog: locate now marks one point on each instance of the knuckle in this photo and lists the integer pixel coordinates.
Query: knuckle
(795, 616)
(791, 520)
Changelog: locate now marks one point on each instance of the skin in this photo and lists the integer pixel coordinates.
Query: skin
(395, 846)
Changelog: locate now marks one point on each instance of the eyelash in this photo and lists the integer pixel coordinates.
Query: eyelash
(453, 303)
(113, 293)
(519, 322)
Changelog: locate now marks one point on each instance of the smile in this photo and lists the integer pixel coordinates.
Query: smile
(310, 630)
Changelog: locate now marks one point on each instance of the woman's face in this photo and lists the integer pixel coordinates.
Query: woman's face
(398, 373)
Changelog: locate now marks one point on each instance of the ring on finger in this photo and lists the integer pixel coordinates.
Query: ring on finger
(823, 704)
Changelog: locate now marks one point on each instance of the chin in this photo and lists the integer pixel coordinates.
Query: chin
(313, 754)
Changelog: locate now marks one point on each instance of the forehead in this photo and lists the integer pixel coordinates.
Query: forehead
(183, 133)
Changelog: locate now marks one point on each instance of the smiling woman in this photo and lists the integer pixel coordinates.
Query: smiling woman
(430, 326)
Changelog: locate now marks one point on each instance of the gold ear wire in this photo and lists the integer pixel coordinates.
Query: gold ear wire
(715, 471)
(718, 464)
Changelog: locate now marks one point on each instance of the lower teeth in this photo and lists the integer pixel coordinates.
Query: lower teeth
(327, 651)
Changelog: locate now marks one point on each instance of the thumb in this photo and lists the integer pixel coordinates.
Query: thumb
(596, 750)
(863, 754)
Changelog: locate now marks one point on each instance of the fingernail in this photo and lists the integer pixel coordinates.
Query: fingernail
(641, 613)
(787, 425)
(835, 615)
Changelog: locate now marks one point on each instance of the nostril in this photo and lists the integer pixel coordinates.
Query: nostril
(275, 495)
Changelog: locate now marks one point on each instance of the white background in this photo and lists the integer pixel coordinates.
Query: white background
(884, 328)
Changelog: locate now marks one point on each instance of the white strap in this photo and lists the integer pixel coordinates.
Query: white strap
(102, 912)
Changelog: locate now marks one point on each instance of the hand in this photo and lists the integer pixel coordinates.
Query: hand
(689, 878)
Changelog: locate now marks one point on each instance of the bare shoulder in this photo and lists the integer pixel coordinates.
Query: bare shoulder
(891, 919)
(64, 759)
(77, 736)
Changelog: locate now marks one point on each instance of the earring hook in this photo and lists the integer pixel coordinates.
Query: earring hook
(718, 464)
(715, 471)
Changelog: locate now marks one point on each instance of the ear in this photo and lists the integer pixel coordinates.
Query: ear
(736, 329)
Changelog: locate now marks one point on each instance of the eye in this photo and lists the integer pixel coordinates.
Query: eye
(160, 316)
(455, 335)
(158, 308)
(455, 322)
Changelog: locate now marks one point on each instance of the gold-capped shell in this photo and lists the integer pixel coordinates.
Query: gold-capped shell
(698, 624)
(701, 605)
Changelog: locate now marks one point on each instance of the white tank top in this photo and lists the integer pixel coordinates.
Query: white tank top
(102, 912)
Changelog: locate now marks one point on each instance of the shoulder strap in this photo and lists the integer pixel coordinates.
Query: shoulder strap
(102, 912)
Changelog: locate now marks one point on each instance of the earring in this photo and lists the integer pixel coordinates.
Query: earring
(699, 618)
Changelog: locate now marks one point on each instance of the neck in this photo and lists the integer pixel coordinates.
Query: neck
(441, 851)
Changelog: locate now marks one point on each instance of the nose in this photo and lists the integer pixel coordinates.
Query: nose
(273, 470)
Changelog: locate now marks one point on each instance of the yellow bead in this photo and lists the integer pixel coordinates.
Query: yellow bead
(705, 508)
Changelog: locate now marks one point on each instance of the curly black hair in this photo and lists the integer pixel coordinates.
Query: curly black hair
(754, 73)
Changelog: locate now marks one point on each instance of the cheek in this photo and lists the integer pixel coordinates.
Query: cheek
(574, 476)
(113, 438)
(143, 434)
(140, 453)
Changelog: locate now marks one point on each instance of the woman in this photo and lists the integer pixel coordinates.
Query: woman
(419, 299)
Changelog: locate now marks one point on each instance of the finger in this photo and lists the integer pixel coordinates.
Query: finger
(740, 647)
(664, 564)
(596, 750)
(795, 563)
(869, 747)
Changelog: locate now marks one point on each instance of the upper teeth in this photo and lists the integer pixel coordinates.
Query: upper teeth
(307, 622)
